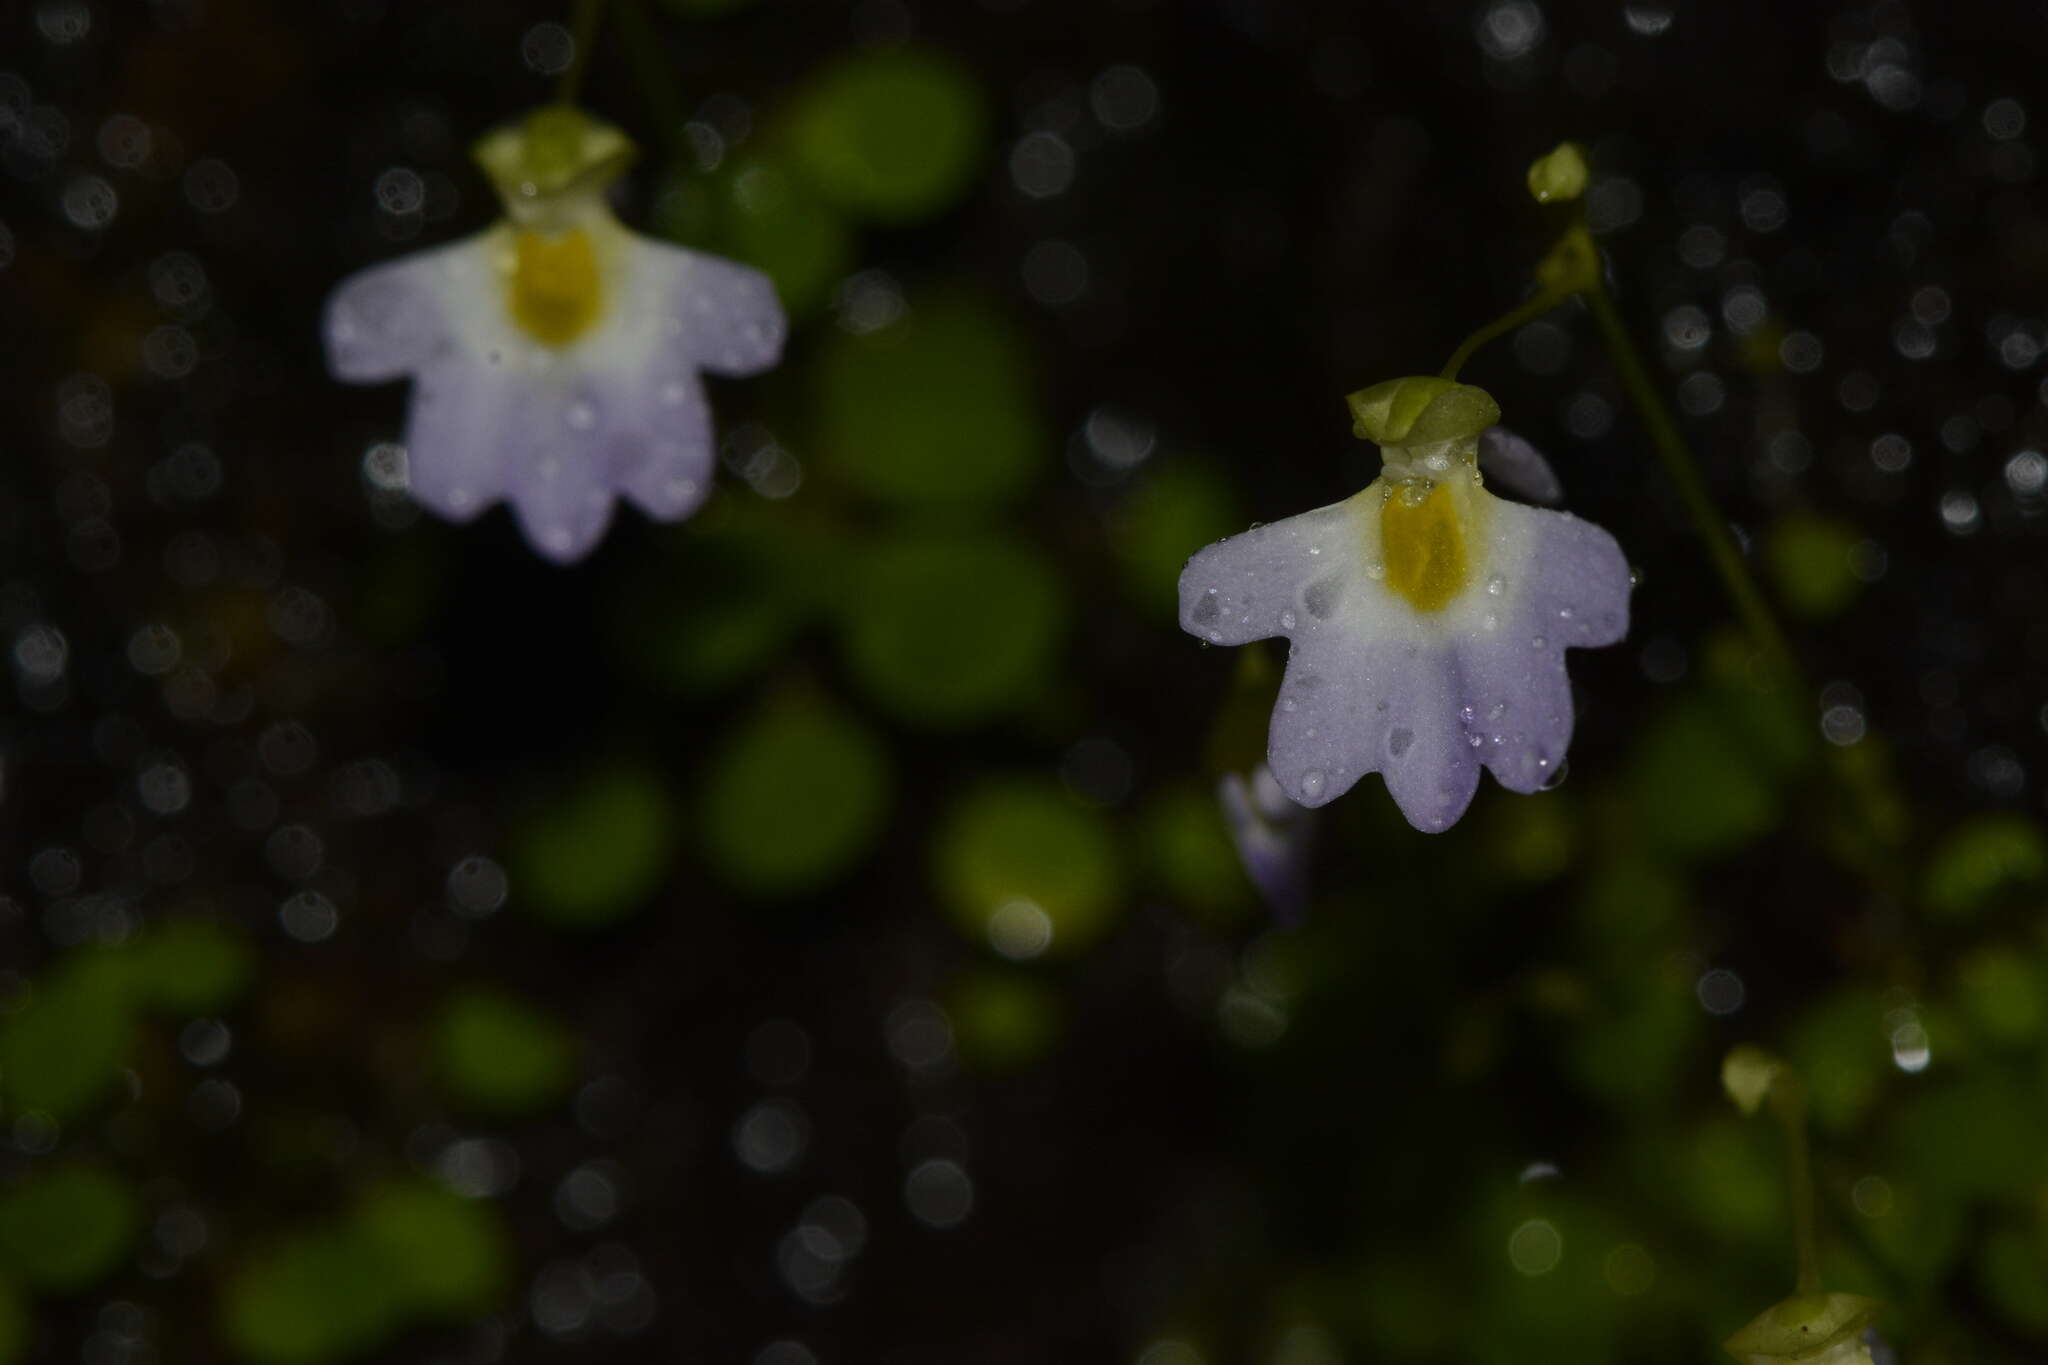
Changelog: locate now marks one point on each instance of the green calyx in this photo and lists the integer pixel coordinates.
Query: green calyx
(1806, 1329)
(554, 151)
(1421, 410)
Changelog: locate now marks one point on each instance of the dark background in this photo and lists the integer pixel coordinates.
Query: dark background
(1328, 195)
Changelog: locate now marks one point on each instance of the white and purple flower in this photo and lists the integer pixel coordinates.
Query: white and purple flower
(555, 355)
(1427, 619)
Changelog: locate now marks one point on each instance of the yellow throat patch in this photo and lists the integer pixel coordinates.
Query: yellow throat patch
(555, 292)
(1423, 542)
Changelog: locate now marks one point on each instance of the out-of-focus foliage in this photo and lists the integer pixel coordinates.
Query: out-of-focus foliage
(799, 794)
(498, 1055)
(406, 1252)
(595, 850)
(874, 966)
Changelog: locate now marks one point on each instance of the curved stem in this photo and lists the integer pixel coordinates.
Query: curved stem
(1528, 312)
(1788, 1102)
(583, 36)
(1678, 462)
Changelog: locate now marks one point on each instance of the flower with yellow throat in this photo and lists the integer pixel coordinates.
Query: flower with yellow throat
(555, 355)
(1427, 618)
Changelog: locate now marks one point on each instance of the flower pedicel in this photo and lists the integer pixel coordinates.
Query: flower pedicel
(555, 354)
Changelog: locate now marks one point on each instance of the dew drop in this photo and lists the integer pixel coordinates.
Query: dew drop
(1215, 637)
(1492, 621)
(1564, 613)
(1287, 620)
(1496, 585)
(1557, 774)
(1207, 609)
(1476, 741)
(1399, 739)
(1497, 710)
(1468, 714)
(1312, 784)
(1321, 597)
(1538, 643)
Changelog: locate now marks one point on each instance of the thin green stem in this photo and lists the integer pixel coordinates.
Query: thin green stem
(1500, 326)
(1678, 462)
(583, 36)
(1788, 1102)
(654, 76)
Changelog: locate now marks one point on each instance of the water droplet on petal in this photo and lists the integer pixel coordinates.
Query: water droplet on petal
(1497, 710)
(1497, 585)
(1538, 643)
(1312, 784)
(1564, 613)
(1287, 620)
(1557, 774)
(1398, 741)
(1375, 570)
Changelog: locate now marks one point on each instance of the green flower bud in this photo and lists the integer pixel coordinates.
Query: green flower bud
(1747, 1074)
(1806, 1329)
(1559, 177)
(1421, 410)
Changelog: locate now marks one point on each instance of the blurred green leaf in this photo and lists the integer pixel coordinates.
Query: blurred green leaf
(190, 965)
(934, 410)
(2012, 1272)
(797, 795)
(727, 595)
(893, 135)
(1839, 1049)
(63, 1228)
(1175, 508)
(1026, 868)
(17, 1324)
(1809, 558)
(315, 1297)
(1632, 1051)
(1983, 860)
(1189, 852)
(949, 630)
(2004, 994)
(1697, 790)
(448, 1256)
(759, 210)
(498, 1054)
(596, 854)
(1978, 1135)
(63, 1052)
(1003, 1020)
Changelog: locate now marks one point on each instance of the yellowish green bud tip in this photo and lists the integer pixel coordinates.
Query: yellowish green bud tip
(1747, 1074)
(1421, 410)
(1806, 1329)
(1560, 176)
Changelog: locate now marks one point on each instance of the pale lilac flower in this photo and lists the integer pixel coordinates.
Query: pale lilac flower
(1427, 619)
(1274, 838)
(555, 354)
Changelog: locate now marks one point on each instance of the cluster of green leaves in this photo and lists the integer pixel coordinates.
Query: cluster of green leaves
(406, 1253)
(67, 1224)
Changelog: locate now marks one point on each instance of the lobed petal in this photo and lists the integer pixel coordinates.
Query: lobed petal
(389, 320)
(1568, 587)
(1273, 836)
(1356, 702)
(724, 316)
(1519, 467)
(1258, 584)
